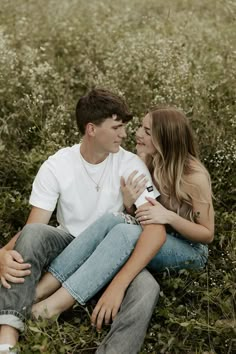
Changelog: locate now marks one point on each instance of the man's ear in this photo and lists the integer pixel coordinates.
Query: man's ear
(91, 129)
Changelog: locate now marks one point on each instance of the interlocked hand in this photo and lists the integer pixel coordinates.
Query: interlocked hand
(12, 268)
(132, 188)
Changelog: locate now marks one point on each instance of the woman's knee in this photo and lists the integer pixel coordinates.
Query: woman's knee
(129, 233)
(113, 219)
(106, 222)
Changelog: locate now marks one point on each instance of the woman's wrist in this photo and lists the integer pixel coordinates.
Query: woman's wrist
(171, 217)
(121, 281)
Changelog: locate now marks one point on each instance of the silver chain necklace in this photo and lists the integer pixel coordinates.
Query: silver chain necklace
(98, 186)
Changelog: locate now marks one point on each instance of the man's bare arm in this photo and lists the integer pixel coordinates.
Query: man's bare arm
(36, 215)
(10, 245)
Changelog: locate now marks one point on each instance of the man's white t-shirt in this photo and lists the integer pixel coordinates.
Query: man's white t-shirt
(68, 182)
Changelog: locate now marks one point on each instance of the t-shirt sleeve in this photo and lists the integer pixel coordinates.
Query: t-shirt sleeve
(150, 191)
(45, 190)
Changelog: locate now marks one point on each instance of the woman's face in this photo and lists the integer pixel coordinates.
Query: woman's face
(144, 143)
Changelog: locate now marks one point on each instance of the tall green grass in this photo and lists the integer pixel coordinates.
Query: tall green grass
(179, 52)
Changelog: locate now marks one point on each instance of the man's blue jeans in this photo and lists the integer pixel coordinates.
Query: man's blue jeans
(39, 244)
(92, 259)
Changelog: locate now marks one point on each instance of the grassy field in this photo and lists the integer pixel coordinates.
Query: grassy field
(180, 52)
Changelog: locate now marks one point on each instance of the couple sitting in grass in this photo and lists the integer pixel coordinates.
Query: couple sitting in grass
(118, 214)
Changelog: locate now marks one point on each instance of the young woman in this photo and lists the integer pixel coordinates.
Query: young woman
(165, 141)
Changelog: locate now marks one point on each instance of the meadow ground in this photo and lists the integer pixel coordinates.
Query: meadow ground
(154, 51)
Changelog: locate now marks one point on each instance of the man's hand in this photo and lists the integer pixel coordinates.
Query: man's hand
(132, 188)
(12, 267)
(108, 305)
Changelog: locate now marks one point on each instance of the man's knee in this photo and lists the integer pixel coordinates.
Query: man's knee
(146, 288)
(31, 235)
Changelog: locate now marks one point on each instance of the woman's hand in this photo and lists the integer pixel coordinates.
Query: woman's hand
(153, 214)
(108, 305)
(133, 188)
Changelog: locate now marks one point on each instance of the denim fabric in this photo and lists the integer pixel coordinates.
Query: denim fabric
(43, 242)
(93, 258)
(129, 328)
(38, 244)
(178, 253)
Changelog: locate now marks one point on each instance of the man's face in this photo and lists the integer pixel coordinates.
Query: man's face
(109, 135)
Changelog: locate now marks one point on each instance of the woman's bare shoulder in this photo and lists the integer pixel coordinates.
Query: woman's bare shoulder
(199, 177)
(199, 183)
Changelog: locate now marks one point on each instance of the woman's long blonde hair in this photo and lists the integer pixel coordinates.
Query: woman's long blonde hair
(176, 157)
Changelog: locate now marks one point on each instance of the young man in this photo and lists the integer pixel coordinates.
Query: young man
(83, 182)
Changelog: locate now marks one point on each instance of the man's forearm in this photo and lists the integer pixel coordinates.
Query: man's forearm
(11, 244)
(150, 241)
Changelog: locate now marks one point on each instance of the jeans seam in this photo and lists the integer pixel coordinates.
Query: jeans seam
(120, 259)
(65, 276)
(77, 297)
(57, 275)
(100, 284)
(13, 312)
(88, 296)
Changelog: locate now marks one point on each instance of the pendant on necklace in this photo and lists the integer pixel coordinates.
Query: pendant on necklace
(97, 188)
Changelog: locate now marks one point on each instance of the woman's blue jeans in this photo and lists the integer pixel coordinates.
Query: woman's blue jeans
(91, 260)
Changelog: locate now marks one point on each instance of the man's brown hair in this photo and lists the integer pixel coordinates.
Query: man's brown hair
(97, 106)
